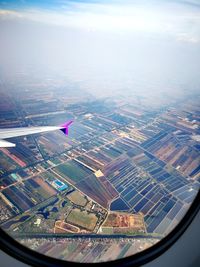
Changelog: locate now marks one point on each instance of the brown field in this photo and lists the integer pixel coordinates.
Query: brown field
(95, 189)
(124, 222)
(184, 158)
(45, 186)
(62, 227)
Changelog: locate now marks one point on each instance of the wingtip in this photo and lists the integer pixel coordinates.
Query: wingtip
(65, 127)
(67, 123)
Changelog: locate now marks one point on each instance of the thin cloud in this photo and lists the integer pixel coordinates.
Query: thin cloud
(173, 19)
(185, 37)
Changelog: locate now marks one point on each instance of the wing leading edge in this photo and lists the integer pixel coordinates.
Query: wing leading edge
(15, 132)
(4, 143)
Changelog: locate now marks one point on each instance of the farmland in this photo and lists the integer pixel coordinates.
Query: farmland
(77, 198)
(82, 219)
(73, 171)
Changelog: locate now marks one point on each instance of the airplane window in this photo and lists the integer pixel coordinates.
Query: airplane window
(99, 124)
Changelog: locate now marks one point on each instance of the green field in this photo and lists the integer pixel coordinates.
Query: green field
(82, 219)
(48, 175)
(113, 153)
(77, 198)
(107, 230)
(73, 171)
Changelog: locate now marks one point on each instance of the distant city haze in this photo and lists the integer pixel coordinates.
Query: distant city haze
(121, 47)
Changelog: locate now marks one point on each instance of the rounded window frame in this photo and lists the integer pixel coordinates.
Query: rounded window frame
(20, 252)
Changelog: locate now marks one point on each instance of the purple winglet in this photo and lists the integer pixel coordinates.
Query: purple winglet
(65, 127)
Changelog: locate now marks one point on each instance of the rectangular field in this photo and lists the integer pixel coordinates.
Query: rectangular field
(73, 170)
(77, 198)
(82, 219)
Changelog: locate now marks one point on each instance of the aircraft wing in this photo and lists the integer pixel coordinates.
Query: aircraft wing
(4, 143)
(14, 132)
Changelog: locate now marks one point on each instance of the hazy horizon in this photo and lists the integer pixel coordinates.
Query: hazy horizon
(131, 47)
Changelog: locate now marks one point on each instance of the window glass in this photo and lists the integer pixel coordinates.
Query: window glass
(123, 174)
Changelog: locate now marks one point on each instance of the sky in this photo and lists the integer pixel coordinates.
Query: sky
(180, 19)
(105, 45)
